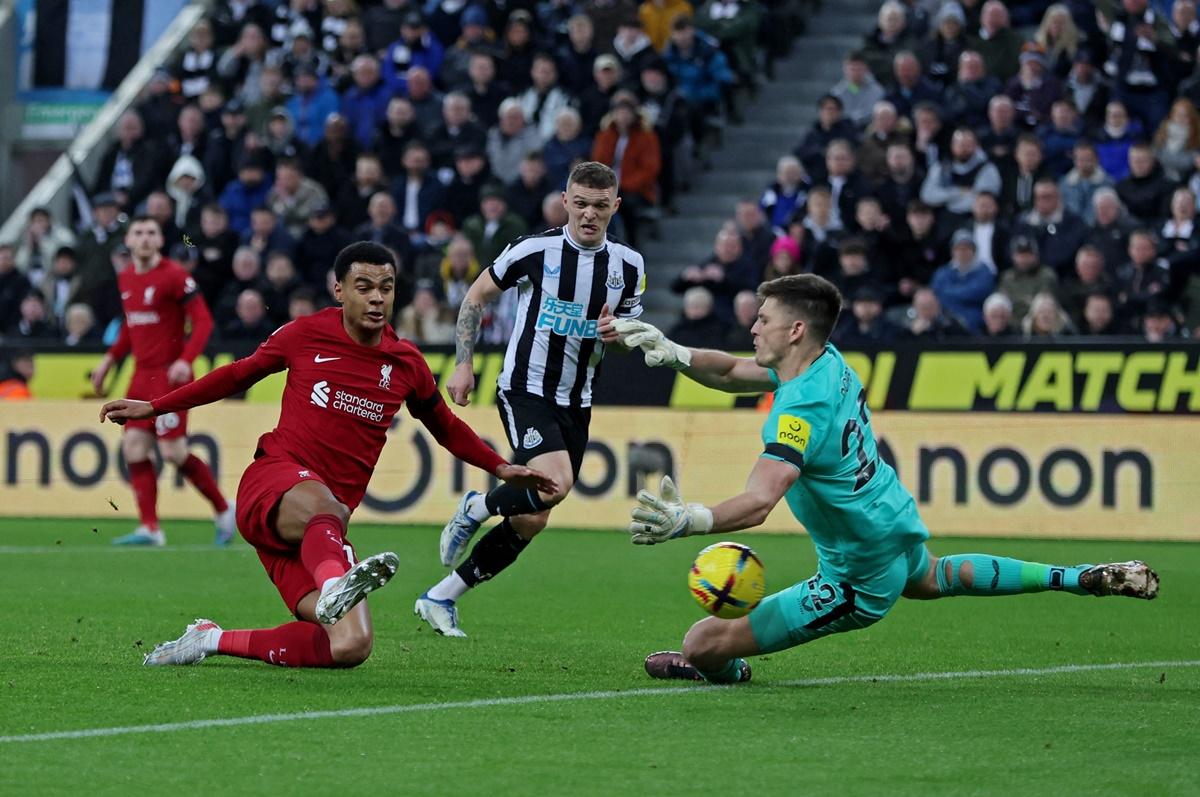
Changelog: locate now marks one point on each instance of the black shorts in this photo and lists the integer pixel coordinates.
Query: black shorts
(536, 426)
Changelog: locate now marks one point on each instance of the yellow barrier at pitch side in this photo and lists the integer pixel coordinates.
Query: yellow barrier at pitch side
(1132, 477)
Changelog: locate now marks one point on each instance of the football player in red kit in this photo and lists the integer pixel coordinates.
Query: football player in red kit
(348, 375)
(157, 295)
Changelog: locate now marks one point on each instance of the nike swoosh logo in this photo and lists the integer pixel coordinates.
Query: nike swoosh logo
(320, 359)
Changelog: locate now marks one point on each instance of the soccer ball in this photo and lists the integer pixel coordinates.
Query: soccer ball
(727, 580)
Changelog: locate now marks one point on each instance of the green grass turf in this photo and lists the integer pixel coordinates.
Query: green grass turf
(578, 613)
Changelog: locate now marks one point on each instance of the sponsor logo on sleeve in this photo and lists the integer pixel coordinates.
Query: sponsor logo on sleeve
(793, 431)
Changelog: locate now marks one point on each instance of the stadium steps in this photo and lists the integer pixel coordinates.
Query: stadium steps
(745, 164)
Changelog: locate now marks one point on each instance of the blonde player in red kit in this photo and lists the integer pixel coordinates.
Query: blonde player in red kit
(157, 295)
(348, 375)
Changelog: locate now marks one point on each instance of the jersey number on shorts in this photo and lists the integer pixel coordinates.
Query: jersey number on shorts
(854, 429)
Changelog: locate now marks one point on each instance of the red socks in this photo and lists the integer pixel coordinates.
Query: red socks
(200, 475)
(145, 491)
(297, 644)
(323, 549)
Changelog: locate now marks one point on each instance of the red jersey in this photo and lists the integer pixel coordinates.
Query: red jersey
(155, 305)
(339, 400)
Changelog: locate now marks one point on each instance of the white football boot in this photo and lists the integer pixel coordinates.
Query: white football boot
(1129, 579)
(142, 536)
(344, 594)
(458, 532)
(226, 523)
(197, 642)
(442, 615)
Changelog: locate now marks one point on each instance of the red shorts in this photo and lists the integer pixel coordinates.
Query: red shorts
(149, 384)
(262, 487)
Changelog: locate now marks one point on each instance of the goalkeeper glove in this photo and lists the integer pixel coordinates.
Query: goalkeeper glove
(658, 348)
(660, 518)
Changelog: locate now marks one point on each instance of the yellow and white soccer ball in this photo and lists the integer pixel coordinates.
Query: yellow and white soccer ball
(727, 580)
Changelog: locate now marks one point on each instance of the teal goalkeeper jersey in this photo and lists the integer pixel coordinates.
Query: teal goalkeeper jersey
(859, 515)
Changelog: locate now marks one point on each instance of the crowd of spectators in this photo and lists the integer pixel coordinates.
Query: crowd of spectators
(443, 129)
(985, 170)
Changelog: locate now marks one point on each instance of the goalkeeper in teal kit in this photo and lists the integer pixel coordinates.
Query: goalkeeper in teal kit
(819, 453)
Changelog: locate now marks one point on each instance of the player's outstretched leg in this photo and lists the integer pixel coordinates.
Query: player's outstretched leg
(986, 575)
(342, 594)
(712, 652)
(297, 644)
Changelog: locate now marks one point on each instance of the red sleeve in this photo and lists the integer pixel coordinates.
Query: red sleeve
(122, 345)
(269, 358)
(450, 431)
(202, 326)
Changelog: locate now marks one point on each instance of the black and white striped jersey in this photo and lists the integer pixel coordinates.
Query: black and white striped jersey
(561, 288)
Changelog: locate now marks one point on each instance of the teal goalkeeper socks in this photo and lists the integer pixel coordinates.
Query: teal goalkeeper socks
(997, 575)
(730, 674)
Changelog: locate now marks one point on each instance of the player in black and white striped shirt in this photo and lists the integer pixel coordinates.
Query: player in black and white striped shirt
(566, 278)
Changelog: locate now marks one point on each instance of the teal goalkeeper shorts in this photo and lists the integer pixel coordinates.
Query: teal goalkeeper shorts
(820, 606)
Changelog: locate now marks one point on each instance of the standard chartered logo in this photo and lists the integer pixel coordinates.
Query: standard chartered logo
(320, 394)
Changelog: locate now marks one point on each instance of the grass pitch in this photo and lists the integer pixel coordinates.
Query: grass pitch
(571, 623)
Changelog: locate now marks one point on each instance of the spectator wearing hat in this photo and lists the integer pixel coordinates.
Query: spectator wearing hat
(518, 49)
(1083, 180)
(1034, 89)
(1058, 232)
(14, 285)
(1027, 277)
(1090, 277)
(783, 258)
(699, 325)
(865, 326)
(417, 46)
(1160, 323)
(953, 183)
(567, 147)
(417, 191)
(962, 284)
(1087, 88)
(186, 191)
(858, 90)
(495, 226)
(996, 41)
(280, 138)
(997, 317)
(510, 141)
(475, 38)
(628, 144)
(311, 103)
(133, 164)
(471, 173)
(966, 100)
(543, 100)
(829, 126)
(701, 73)
(226, 146)
(596, 99)
(323, 238)
(946, 45)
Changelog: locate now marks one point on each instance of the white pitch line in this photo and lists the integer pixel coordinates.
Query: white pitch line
(375, 711)
(90, 549)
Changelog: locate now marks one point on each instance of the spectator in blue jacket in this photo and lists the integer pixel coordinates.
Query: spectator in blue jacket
(699, 69)
(365, 103)
(415, 47)
(311, 104)
(247, 192)
(964, 283)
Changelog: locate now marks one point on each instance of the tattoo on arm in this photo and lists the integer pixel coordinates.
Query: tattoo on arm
(469, 318)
